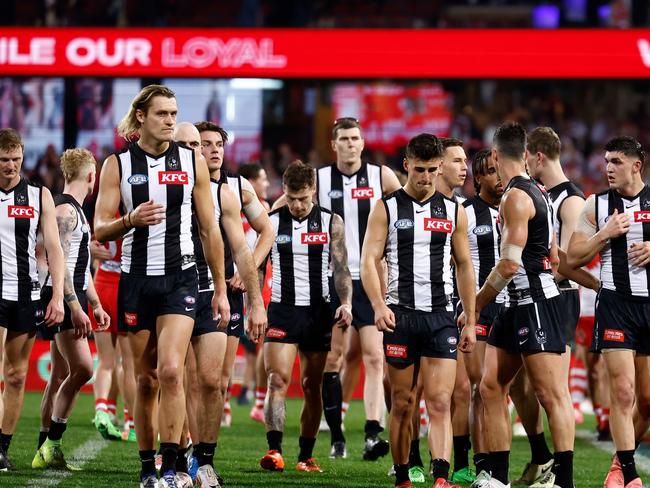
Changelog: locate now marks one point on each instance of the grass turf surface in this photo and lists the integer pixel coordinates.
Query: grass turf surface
(240, 448)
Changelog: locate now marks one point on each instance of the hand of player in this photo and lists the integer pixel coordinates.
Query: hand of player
(639, 253)
(236, 284)
(147, 213)
(256, 322)
(221, 309)
(81, 323)
(102, 318)
(54, 313)
(462, 320)
(617, 224)
(343, 317)
(385, 319)
(467, 339)
(99, 251)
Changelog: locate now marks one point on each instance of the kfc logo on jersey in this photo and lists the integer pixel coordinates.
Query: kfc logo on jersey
(363, 193)
(173, 178)
(642, 216)
(314, 238)
(614, 335)
(20, 212)
(438, 225)
(396, 351)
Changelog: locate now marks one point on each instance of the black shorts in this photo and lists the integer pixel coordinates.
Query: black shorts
(308, 326)
(486, 319)
(570, 306)
(24, 316)
(622, 322)
(142, 299)
(362, 312)
(534, 327)
(205, 323)
(47, 333)
(420, 334)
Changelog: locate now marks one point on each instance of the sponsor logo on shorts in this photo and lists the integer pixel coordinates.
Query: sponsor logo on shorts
(481, 230)
(523, 331)
(363, 193)
(138, 179)
(274, 333)
(438, 225)
(614, 335)
(235, 317)
(131, 318)
(190, 300)
(20, 212)
(396, 351)
(335, 194)
(173, 178)
(403, 224)
(314, 238)
(642, 216)
(481, 330)
(283, 239)
(452, 341)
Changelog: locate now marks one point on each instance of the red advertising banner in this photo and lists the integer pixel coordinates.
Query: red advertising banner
(326, 53)
(40, 366)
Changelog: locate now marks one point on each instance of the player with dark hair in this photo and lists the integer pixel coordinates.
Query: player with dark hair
(308, 240)
(417, 229)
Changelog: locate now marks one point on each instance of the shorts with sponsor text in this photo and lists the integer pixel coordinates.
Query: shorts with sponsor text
(533, 327)
(308, 326)
(362, 313)
(622, 322)
(142, 299)
(585, 331)
(47, 333)
(205, 323)
(420, 334)
(485, 320)
(24, 316)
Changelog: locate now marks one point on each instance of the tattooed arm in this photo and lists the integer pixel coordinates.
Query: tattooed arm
(342, 278)
(66, 219)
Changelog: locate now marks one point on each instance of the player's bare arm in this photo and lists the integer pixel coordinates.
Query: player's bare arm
(389, 180)
(211, 238)
(231, 222)
(258, 219)
(586, 241)
(465, 279)
(56, 263)
(579, 275)
(101, 317)
(66, 220)
(516, 210)
(372, 253)
(342, 277)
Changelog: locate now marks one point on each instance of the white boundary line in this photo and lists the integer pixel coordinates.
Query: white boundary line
(81, 456)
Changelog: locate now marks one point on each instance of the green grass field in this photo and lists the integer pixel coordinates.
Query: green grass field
(115, 464)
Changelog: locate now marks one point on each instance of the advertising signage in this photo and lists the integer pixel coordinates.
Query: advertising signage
(326, 53)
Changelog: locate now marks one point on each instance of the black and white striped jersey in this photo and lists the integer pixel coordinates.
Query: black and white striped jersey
(78, 263)
(418, 251)
(484, 239)
(558, 194)
(205, 275)
(534, 279)
(20, 216)
(300, 256)
(167, 179)
(351, 197)
(617, 273)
